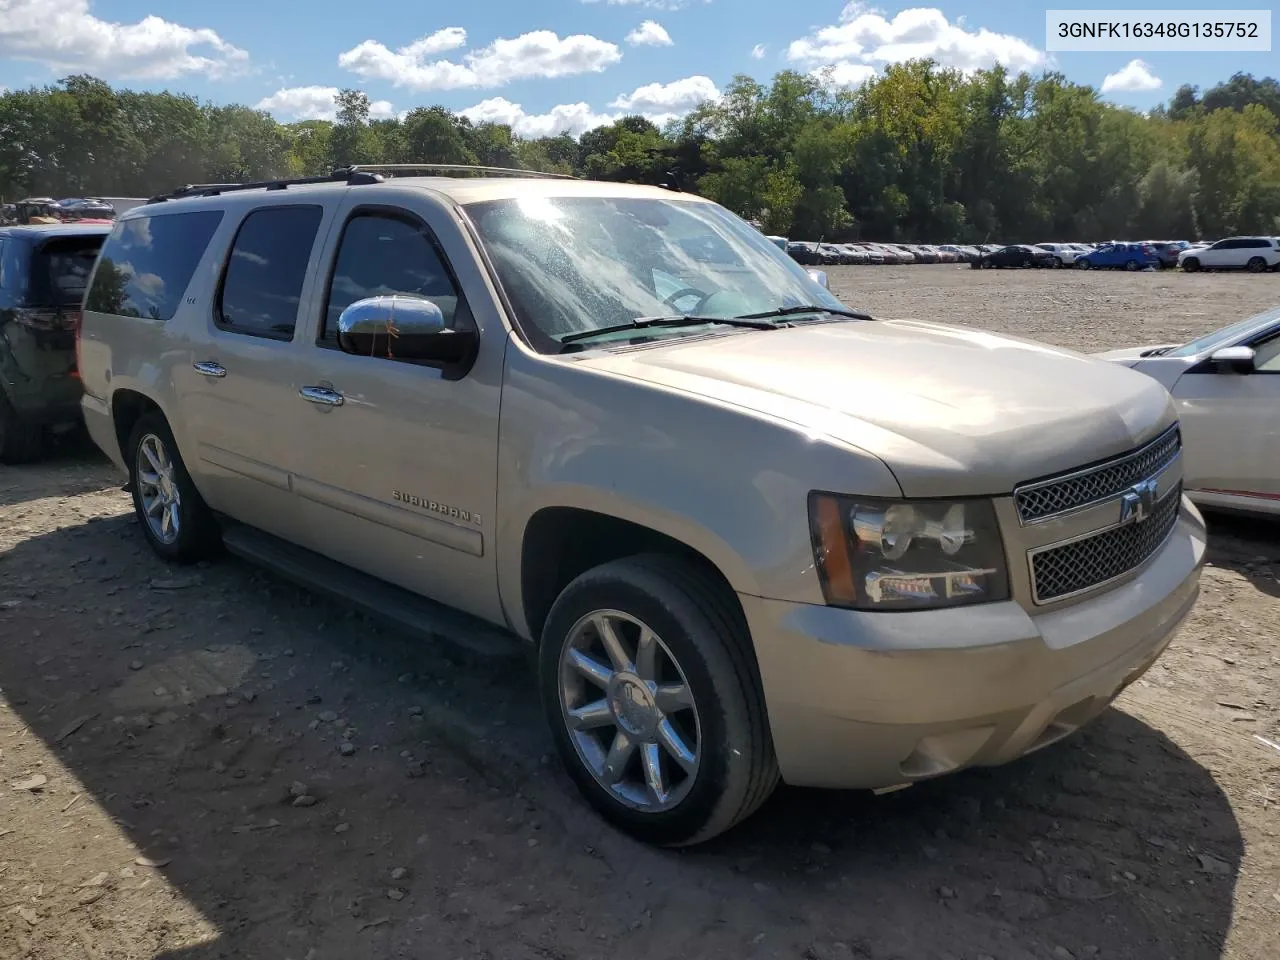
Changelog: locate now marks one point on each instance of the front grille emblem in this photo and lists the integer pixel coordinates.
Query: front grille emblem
(1138, 501)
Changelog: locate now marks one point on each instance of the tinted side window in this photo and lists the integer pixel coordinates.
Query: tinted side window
(1226, 245)
(380, 254)
(262, 285)
(4, 245)
(60, 269)
(1257, 242)
(147, 263)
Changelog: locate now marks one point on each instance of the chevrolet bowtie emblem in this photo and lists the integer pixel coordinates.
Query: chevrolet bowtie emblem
(1138, 501)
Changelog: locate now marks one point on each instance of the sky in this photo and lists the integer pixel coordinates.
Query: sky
(551, 66)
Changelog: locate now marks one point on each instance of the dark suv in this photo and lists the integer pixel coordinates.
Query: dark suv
(43, 270)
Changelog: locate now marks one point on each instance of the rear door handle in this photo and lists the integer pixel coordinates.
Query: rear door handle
(210, 369)
(323, 395)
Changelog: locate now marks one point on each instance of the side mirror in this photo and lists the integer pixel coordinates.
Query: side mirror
(400, 327)
(820, 277)
(1235, 359)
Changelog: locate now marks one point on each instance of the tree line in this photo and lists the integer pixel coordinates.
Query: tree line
(921, 153)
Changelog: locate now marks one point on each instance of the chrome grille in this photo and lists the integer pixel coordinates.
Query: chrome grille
(1046, 498)
(1058, 572)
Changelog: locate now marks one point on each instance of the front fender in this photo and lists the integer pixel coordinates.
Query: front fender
(730, 483)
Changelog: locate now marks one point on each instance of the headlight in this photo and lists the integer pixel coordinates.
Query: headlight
(907, 555)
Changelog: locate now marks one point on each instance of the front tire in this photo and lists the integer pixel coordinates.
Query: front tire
(173, 516)
(1132, 265)
(1083, 264)
(1191, 265)
(650, 688)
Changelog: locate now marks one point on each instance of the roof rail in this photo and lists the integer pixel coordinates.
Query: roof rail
(440, 168)
(347, 174)
(354, 175)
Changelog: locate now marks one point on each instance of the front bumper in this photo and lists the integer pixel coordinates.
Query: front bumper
(872, 700)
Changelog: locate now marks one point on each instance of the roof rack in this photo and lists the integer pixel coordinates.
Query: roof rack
(354, 175)
(439, 168)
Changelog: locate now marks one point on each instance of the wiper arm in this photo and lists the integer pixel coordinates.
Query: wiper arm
(788, 311)
(679, 320)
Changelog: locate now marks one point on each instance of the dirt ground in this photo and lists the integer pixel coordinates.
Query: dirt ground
(210, 763)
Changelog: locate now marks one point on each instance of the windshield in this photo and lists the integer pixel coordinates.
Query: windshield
(1227, 335)
(573, 264)
(60, 269)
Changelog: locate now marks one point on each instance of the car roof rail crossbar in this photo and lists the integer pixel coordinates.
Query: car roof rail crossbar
(443, 168)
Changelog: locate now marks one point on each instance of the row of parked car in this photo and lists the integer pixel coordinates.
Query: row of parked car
(1256, 254)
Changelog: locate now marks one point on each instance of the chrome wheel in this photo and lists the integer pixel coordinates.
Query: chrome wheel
(158, 489)
(629, 711)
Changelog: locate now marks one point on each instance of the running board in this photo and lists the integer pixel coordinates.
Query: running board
(384, 601)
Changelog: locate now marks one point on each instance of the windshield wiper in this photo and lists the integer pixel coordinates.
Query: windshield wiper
(679, 320)
(788, 311)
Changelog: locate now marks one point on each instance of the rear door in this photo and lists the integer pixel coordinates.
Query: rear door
(239, 386)
(397, 461)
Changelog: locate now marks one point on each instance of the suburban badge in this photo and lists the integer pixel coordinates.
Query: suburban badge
(435, 506)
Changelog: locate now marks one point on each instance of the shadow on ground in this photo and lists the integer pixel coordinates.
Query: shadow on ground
(1248, 545)
(206, 698)
(80, 467)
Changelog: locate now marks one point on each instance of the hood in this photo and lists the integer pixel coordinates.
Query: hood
(952, 411)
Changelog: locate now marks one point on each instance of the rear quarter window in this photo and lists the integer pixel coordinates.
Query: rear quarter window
(147, 263)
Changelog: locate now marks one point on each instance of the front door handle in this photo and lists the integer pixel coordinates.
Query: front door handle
(210, 369)
(324, 395)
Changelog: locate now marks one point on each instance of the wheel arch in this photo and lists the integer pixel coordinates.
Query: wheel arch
(560, 542)
(128, 406)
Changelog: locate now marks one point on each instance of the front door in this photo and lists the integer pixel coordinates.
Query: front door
(1221, 254)
(398, 460)
(1231, 425)
(239, 387)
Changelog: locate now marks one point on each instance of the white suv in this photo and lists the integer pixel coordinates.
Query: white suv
(1254, 254)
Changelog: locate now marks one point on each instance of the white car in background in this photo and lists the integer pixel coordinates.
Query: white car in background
(1254, 254)
(1064, 253)
(1226, 386)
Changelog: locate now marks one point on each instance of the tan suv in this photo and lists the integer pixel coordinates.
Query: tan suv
(753, 535)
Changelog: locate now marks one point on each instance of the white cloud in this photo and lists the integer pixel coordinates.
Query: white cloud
(866, 37)
(571, 118)
(449, 38)
(649, 34)
(540, 53)
(843, 73)
(315, 103)
(665, 99)
(1134, 76)
(659, 103)
(64, 35)
(758, 51)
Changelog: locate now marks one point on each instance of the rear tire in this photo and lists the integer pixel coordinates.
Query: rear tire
(1191, 265)
(20, 441)
(1132, 265)
(1057, 262)
(1256, 265)
(174, 518)
(703, 649)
